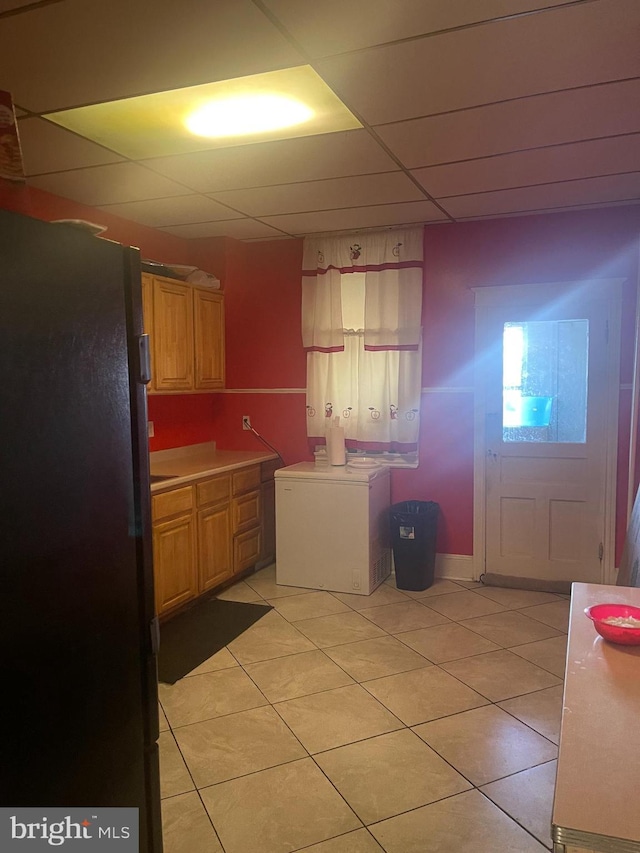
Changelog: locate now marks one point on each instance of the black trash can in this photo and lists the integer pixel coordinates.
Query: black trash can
(414, 526)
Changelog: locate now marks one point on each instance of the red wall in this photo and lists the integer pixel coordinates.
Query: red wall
(264, 352)
(546, 248)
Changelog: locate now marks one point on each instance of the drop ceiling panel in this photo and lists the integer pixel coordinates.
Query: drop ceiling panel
(542, 165)
(499, 107)
(306, 159)
(47, 148)
(545, 120)
(357, 217)
(566, 194)
(565, 47)
(559, 209)
(172, 211)
(67, 54)
(371, 22)
(241, 229)
(323, 195)
(108, 184)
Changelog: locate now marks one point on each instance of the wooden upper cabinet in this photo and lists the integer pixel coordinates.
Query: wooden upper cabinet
(208, 325)
(186, 329)
(173, 335)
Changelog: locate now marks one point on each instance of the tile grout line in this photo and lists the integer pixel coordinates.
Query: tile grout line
(403, 726)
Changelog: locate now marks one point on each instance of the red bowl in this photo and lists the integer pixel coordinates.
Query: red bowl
(615, 633)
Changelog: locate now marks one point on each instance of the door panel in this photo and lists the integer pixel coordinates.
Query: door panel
(544, 394)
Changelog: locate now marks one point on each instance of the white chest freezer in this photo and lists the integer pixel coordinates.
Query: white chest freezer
(332, 527)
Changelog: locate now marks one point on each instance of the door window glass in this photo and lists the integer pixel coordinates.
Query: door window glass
(544, 381)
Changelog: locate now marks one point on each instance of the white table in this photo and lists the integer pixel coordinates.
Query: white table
(597, 797)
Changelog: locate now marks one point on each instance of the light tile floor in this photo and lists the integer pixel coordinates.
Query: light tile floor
(401, 722)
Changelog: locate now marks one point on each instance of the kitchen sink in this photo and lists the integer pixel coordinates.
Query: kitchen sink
(159, 478)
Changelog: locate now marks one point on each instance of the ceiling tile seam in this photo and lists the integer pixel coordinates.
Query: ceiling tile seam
(374, 228)
(511, 151)
(541, 184)
(247, 218)
(259, 4)
(345, 207)
(10, 13)
(281, 66)
(537, 211)
(483, 217)
(531, 96)
(622, 202)
(73, 133)
(192, 195)
(259, 217)
(142, 164)
(29, 113)
(457, 29)
(307, 181)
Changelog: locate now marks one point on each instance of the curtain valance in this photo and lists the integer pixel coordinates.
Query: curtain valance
(392, 262)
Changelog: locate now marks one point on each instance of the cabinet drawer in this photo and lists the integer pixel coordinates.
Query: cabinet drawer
(213, 491)
(175, 502)
(246, 479)
(246, 511)
(246, 550)
(268, 468)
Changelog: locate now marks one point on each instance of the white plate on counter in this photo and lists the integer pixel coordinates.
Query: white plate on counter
(363, 463)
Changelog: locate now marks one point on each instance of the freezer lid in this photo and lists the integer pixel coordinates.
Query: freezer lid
(330, 473)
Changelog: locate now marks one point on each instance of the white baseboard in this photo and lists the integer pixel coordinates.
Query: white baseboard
(455, 566)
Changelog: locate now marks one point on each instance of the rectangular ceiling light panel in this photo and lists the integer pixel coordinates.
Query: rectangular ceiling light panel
(154, 125)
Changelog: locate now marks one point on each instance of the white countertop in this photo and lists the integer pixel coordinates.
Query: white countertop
(597, 777)
(186, 464)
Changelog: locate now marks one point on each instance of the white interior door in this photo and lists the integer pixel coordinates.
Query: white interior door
(547, 365)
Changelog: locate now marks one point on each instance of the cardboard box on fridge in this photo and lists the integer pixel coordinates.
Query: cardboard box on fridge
(11, 166)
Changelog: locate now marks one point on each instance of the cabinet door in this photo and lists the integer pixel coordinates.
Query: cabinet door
(214, 546)
(208, 317)
(173, 333)
(174, 565)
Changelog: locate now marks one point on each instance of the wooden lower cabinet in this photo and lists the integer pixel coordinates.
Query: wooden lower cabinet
(205, 533)
(176, 579)
(214, 546)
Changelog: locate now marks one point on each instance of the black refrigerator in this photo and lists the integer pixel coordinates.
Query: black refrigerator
(76, 576)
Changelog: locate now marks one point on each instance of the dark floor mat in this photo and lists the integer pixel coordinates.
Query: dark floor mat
(193, 636)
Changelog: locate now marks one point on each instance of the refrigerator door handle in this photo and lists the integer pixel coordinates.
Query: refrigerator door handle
(144, 352)
(154, 628)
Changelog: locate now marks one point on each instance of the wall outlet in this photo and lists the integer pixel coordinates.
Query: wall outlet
(150, 430)
(246, 422)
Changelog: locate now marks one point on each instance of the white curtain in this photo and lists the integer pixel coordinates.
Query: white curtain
(361, 310)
